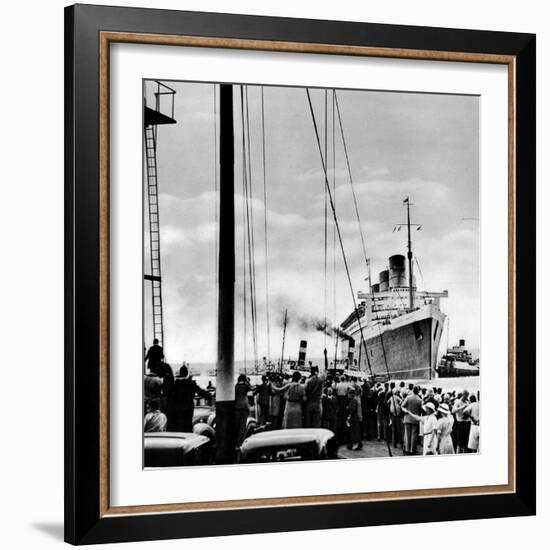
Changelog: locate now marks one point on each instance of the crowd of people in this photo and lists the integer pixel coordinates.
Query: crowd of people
(406, 416)
(414, 419)
(169, 400)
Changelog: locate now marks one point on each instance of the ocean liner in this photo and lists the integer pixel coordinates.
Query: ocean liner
(394, 332)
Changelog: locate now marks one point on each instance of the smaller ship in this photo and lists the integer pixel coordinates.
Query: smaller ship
(458, 361)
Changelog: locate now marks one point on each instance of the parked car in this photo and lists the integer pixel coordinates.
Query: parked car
(203, 413)
(289, 445)
(164, 449)
(207, 415)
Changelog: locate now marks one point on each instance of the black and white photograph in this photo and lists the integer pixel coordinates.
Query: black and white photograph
(311, 274)
(316, 234)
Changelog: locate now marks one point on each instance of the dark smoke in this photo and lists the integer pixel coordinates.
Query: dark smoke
(320, 325)
(305, 322)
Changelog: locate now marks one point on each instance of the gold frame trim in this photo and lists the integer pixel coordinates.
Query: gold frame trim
(105, 39)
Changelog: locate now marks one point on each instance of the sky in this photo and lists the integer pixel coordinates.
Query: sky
(423, 146)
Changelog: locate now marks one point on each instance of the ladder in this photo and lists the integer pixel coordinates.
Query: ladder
(154, 232)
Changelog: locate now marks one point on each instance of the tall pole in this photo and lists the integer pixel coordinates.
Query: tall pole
(225, 378)
(409, 256)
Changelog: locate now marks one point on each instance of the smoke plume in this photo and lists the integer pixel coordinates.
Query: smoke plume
(306, 323)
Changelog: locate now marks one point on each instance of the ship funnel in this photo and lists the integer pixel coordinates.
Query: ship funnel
(302, 353)
(375, 287)
(462, 343)
(398, 278)
(384, 280)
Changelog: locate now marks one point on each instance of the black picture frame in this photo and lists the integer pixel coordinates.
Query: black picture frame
(84, 523)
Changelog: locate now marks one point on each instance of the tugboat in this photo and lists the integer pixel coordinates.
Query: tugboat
(458, 361)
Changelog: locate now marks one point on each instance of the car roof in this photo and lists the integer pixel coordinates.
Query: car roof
(167, 440)
(295, 436)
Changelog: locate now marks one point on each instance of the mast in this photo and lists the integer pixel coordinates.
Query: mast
(225, 374)
(409, 255)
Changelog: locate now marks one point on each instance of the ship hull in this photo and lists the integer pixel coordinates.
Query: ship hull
(444, 371)
(406, 348)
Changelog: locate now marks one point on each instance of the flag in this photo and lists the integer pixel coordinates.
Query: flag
(406, 200)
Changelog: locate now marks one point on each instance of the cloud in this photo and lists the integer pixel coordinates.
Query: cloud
(375, 172)
(314, 174)
(394, 191)
(399, 145)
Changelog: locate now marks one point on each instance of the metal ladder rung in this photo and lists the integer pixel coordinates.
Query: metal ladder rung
(154, 233)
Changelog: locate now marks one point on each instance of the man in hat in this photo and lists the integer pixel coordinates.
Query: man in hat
(154, 356)
(394, 403)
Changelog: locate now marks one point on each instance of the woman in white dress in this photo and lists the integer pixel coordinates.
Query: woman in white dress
(295, 399)
(429, 425)
(444, 429)
(472, 411)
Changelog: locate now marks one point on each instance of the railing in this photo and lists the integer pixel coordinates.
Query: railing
(162, 100)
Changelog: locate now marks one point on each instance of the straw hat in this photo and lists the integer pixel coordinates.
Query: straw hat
(429, 405)
(444, 408)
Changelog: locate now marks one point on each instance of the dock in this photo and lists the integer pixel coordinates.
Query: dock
(371, 449)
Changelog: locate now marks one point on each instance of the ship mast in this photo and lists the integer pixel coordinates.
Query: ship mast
(409, 255)
(409, 249)
(225, 393)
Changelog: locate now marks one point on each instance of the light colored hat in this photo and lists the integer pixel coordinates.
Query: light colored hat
(444, 408)
(429, 405)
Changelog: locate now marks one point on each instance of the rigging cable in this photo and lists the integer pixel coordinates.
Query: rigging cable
(331, 202)
(420, 272)
(265, 231)
(244, 234)
(351, 180)
(359, 223)
(334, 226)
(325, 233)
(251, 243)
